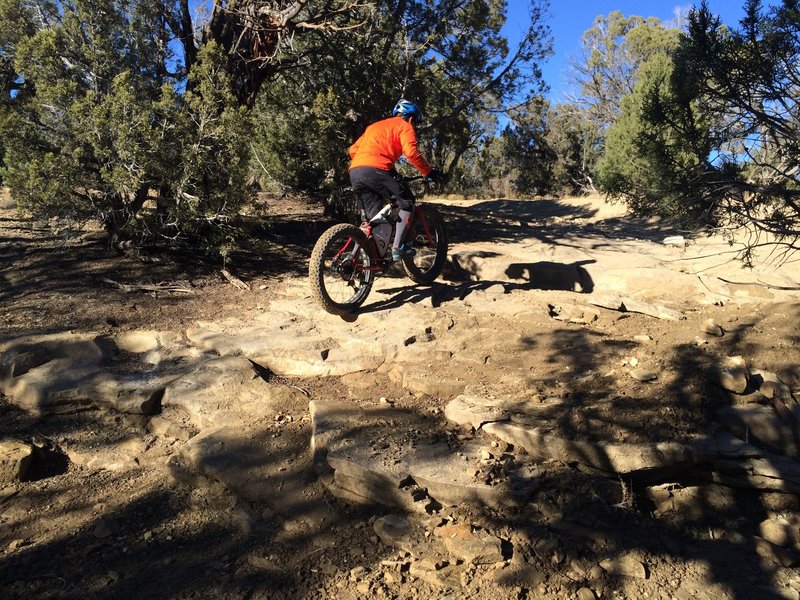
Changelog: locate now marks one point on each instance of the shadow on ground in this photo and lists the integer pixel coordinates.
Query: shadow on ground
(549, 221)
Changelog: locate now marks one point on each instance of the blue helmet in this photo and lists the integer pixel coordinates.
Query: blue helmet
(405, 109)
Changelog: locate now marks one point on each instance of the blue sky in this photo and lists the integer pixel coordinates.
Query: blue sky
(570, 18)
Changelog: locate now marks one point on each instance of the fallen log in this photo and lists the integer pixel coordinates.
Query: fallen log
(235, 281)
(162, 287)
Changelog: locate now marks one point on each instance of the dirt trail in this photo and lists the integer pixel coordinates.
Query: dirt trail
(179, 464)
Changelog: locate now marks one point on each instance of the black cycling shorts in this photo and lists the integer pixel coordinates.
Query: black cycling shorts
(375, 187)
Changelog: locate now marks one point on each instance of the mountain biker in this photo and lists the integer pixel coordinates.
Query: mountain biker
(372, 172)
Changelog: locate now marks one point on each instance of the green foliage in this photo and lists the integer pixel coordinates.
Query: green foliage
(614, 50)
(530, 150)
(214, 131)
(16, 23)
(747, 81)
(98, 118)
(518, 162)
(710, 132)
(658, 146)
(98, 127)
(574, 140)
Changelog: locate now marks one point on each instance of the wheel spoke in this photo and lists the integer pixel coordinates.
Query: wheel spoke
(430, 242)
(339, 269)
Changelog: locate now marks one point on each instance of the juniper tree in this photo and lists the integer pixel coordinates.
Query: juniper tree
(98, 123)
(710, 133)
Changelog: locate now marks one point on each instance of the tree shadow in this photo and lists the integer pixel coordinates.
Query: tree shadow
(709, 522)
(549, 221)
(255, 546)
(135, 533)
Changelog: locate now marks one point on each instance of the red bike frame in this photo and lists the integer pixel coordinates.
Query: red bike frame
(366, 227)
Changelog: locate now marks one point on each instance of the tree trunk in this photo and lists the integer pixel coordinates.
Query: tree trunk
(114, 220)
(250, 40)
(182, 27)
(139, 199)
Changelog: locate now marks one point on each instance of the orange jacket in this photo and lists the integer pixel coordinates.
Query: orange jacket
(384, 142)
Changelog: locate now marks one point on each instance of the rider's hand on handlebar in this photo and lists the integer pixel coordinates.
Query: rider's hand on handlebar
(436, 176)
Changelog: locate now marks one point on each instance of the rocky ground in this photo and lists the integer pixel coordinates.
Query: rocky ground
(577, 409)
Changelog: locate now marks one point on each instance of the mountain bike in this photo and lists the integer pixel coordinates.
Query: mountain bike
(347, 258)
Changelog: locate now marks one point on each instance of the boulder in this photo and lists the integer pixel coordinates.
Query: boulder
(731, 374)
(138, 341)
(643, 375)
(395, 531)
(50, 374)
(630, 305)
(580, 315)
(441, 472)
(331, 422)
(42, 373)
(300, 354)
(371, 463)
(342, 436)
(780, 531)
(628, 565)
(403, 533)
(420, 382)
(586, 594)
(138, 393)
(310, 357)
(438, 575)
(710, 327)
(161, 427)
(777, 554)
(226, 391)
(54, 385)
(19, 356)
(771, 386)
(122, 455)
(250, 462)
(767, 472)
(361, 477)
(691, 502)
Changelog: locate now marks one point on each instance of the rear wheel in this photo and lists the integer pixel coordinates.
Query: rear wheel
(339, 269)
(429, 239)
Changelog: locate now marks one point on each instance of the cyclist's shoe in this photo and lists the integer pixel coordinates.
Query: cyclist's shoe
(402, 251)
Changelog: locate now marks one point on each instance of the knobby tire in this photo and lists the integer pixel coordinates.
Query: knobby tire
(430, 244)
(340, 281)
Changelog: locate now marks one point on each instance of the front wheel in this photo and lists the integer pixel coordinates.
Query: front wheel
(429, 239)
(339, 271)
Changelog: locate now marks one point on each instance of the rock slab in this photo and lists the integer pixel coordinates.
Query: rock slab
(15, 461)
(373, 462)
(642, 459)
